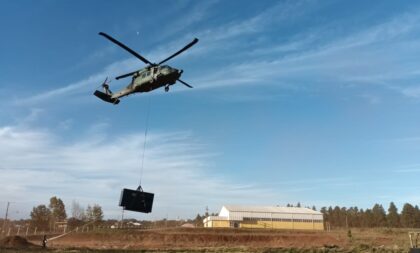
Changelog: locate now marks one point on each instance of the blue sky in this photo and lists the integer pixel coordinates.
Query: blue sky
(309, 101)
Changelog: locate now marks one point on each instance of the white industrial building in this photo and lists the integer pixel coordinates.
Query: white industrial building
(271, 217)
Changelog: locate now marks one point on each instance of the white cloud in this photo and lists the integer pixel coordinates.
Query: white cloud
(36, 165)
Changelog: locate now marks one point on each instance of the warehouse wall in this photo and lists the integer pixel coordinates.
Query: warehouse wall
(305, 225)
(282, 225)
(267, 225)
(217, 224)
(266, 217)
(294, 216)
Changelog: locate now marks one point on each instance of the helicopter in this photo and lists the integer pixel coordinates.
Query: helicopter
(151, 77)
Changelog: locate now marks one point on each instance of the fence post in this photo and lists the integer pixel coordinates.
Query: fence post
(27, 230)
(8, 233)
(18, 231)
(35, 230)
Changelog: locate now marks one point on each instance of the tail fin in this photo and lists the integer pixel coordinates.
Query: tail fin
(106, 97)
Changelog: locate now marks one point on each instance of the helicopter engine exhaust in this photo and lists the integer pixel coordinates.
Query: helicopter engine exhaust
(106, 97)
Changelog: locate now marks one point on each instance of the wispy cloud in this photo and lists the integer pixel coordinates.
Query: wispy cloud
(379, 55)
(80, 87)
(36, 165)
(404, 139)
(369, 56)
(408, 168)
(213, 39)
(413, 92)
(193, 15)
(372, 99)
(257, 23)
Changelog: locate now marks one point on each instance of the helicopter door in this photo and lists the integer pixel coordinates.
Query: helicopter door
(154, 73)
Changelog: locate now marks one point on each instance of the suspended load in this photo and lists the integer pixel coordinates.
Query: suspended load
(136, 200)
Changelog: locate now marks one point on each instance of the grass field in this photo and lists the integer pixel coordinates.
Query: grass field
(224, 240)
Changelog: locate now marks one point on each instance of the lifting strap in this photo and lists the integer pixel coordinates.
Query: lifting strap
(145, 140)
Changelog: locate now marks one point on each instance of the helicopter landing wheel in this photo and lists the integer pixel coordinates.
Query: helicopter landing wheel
(166, 88)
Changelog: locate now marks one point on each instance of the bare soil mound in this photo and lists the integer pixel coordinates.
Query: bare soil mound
(15, 242)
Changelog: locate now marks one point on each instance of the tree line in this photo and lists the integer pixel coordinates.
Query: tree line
(342, 217)
(46, 217)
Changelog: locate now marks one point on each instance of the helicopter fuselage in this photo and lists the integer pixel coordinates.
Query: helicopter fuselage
(152, 77)
(149, 79)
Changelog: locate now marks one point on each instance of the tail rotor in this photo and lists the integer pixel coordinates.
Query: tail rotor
(107, 94)
(105, 86)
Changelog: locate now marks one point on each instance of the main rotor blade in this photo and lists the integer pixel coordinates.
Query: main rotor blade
(180, 51)
(184, 83)
(126, 48)
(126, 75)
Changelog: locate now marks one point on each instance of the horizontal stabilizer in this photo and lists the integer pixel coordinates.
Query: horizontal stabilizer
(106, 97)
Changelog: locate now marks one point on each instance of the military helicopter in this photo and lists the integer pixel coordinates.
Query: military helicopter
(153, 76)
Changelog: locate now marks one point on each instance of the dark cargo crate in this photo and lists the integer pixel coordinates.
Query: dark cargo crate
(136, 200)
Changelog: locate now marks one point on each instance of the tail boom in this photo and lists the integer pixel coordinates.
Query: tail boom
(106, 97)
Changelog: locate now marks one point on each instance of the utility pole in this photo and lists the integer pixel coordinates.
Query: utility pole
(347, 222)
(122, 218)
(5, 218)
